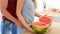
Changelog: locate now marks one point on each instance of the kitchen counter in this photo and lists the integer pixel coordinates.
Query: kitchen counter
(53, 29)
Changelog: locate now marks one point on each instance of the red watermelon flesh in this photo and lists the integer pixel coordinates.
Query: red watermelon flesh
(45, 19)
(40, 24)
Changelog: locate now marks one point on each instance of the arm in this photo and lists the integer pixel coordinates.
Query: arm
(20, 17)
(35, 3)
(7, 14)
(36, 13)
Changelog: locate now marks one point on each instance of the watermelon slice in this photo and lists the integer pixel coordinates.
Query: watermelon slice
(40, 24)
(45, 19)
(40, 27)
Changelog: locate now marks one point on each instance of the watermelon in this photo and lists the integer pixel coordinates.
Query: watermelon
(45, 19)
(40, 27)
(43, 24)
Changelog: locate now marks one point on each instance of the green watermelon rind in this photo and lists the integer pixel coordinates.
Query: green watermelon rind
(39, 30)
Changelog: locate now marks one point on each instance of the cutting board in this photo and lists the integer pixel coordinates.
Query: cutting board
(53, 29)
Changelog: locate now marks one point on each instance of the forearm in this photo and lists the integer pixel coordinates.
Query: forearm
(35, 3)
(10, 17)
(23, 21)
(4, 4)
(18, 13)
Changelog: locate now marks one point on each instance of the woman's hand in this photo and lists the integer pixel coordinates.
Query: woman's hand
(33, 31)
(30, 29)
(45, 15)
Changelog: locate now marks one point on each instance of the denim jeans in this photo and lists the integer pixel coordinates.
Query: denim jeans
(7, 27)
